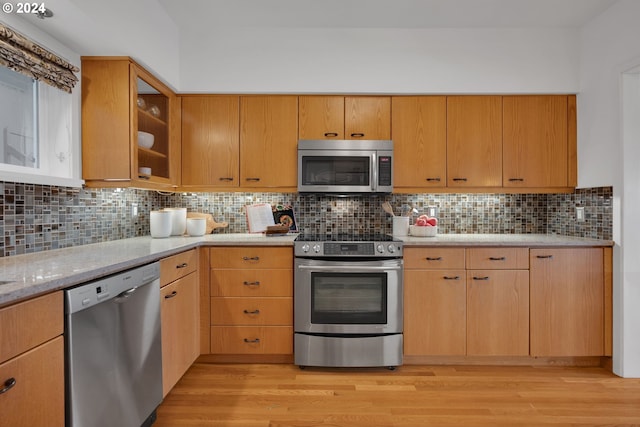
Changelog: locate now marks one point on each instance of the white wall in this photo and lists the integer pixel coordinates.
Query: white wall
(379, 60)
(609, 48)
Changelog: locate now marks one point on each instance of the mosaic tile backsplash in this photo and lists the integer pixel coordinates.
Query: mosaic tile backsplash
(35, 217)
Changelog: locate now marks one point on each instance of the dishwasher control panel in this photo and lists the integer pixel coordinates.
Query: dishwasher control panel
(119, 285)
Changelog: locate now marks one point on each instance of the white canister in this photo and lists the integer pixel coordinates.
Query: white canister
(400, 225)
(160, 224)
(178, 220)
(196, 226)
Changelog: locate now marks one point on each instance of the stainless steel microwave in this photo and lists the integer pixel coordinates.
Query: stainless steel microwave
(345, 166)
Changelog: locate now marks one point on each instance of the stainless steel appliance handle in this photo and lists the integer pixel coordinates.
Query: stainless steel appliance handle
(338, 268)
(122, 297)
(374, 171)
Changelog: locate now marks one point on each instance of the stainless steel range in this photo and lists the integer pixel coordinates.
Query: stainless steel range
(348, 301)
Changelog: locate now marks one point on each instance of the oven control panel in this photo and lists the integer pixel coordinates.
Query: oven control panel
(351, 249)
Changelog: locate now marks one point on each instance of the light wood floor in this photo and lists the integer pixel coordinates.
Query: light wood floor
(411, 396)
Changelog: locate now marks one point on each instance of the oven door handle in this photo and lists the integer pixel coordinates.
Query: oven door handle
(338, 268)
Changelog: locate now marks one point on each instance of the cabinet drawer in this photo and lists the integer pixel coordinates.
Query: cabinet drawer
(251, 340)
(252, 311)
(37, 398)
(251, 283)
(251, 257)
(30, 323)
(498, 258)
(434, 258)
(177, 266)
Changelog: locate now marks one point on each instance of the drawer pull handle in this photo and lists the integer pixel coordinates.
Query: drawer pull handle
(183, 265)
(433, 179)
(460, 179)
(544, 256)
(253, 258)
(331, 134)
(253, 341)
(171, 295)
(481, 278)
(438, 258)
(252, 179)
(8, 385)
(357, 135)
(451, 277)
(256, 283)
(252, 312)
(225, 178)
(516, 179)
(494, 258)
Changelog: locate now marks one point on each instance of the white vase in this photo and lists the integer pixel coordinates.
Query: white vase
(160, 224)
(178, 220)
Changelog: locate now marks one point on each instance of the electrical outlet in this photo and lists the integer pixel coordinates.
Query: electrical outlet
(134, 210)
(432, 211)
(580, 214)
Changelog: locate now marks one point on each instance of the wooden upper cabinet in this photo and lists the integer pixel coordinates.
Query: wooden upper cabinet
(474, 141)
(321, 117)
(419, 126)
(210, 141)
(539, 141)
(344, 117)
(268, 141)
(119, 99)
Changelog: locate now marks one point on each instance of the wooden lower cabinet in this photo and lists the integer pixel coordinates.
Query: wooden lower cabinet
(37, 399)
(180, 317)
(498, 312)
(251, 301)
(434, 313)
(567, 302)
(32, 359)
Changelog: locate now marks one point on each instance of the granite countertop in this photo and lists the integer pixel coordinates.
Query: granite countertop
(34, 274)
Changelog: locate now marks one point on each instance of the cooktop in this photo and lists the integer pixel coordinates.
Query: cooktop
(347, 245)
(345, 237)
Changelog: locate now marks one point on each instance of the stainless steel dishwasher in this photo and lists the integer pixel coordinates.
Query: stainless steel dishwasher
(113, 350)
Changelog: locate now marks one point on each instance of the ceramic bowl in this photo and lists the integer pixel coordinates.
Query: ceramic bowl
(424, 231)
(145, 139)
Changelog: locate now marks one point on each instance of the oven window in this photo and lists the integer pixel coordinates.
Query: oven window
(349, 298)
(338, 170)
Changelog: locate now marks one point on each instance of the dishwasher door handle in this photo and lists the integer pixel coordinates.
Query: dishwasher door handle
(122, 296)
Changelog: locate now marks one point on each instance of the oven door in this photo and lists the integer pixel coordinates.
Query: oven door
(348, 297)
(336, 171)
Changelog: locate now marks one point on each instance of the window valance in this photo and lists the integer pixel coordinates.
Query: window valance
(29, 58)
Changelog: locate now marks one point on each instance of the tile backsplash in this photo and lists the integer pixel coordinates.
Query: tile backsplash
(35, 217)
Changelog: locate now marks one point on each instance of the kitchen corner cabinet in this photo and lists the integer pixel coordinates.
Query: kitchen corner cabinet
(120, 98)
(32, 363)
(344, 117)
(268, 142)
(419, 126)
(539, 141)
(180, 319)
(210, 142)
(474, 141)
(567, 302)
(251, 291)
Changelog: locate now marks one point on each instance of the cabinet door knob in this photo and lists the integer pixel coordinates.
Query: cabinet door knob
(8, 385)
(357, 135)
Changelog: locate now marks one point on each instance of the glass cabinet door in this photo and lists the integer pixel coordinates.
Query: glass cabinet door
(153, 132)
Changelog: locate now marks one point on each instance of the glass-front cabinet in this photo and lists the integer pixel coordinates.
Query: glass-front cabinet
(130, 126)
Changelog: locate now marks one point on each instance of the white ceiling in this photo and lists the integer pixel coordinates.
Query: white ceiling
(383, 13)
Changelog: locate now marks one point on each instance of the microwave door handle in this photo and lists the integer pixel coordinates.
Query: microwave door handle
(374, 172)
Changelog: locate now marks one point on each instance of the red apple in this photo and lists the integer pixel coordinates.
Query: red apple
(421, 222)
(432, 221)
